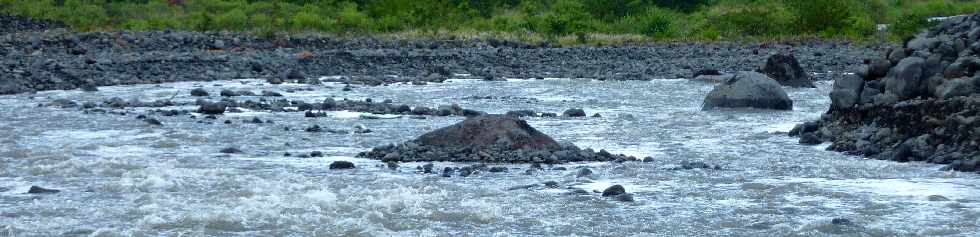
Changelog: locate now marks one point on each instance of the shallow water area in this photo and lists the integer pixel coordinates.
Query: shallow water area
(121, 176)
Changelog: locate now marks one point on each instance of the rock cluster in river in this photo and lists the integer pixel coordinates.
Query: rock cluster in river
(920, 102)
(488, 138)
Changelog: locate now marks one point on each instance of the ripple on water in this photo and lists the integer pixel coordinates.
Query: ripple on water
(122, 178)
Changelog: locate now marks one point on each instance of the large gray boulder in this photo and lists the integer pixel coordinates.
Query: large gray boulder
(905, 79)
(957, 87)
(847, 92)
(489, 131)
(786, 70)
(748, 90)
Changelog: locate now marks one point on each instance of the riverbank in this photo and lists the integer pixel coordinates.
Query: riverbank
(59, 59)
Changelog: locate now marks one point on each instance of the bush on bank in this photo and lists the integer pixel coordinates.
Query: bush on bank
(547, 19)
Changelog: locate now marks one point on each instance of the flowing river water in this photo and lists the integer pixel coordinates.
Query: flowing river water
(119, 176)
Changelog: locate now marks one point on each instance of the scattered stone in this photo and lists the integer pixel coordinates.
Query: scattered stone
(339, 165)
(574, 113)
(810, 139)
(447, 172)
(199, 92)
(786, 70)
(314, 128)
(937, 198)
(231, 150)
(614, 190)
(840, 221)
(271, 93)
(212, 108)
(230, 93)
(153, 121)
(40, 190)
(583, 172)
(465, 171)
(497, 169)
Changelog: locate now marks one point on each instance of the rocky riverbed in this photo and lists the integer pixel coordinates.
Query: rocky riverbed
(39, 56)
(175, 133)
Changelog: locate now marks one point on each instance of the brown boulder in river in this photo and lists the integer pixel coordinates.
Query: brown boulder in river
(489, 130)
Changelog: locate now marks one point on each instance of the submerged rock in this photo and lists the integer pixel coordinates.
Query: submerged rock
(212, 108)
(40, 190)
(338, 165)
(614, 191)
(230, 150)
(748, 89)
(574, 113)
(199, 92)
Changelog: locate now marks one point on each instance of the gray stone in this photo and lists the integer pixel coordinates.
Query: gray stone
(713, 78)
(199, 92)
(614, 191)
(878, 68)
(748, 89)
(487, 131)
(905, 78)
(212, 108)
(786, 70)
(810, 139)
(956, 87)
(339, 165)
(847, 92)
(574, 113)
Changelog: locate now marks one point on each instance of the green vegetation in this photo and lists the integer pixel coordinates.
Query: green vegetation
(572, 21)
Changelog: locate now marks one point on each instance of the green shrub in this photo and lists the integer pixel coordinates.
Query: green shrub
(136, 25)
(909, 24)
(822, 15)
(349, 19)
(656, 22)
(232, 20)
(565, 17)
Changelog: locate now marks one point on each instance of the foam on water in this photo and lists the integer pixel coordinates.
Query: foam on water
(120, 177)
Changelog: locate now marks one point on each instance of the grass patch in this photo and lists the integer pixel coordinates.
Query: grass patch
(556, 21)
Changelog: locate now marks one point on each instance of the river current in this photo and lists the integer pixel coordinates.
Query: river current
(120, 176)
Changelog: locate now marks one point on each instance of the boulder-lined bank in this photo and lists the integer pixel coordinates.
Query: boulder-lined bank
(919, 103)
(40, 58)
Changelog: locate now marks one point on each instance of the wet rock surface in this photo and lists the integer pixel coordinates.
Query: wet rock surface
(919, 104)
(488, 138)
(785, 69)
(748, 90)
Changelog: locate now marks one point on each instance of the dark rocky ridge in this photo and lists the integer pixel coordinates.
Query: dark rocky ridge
(921, 103)
(488, 138)
(49, 60)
